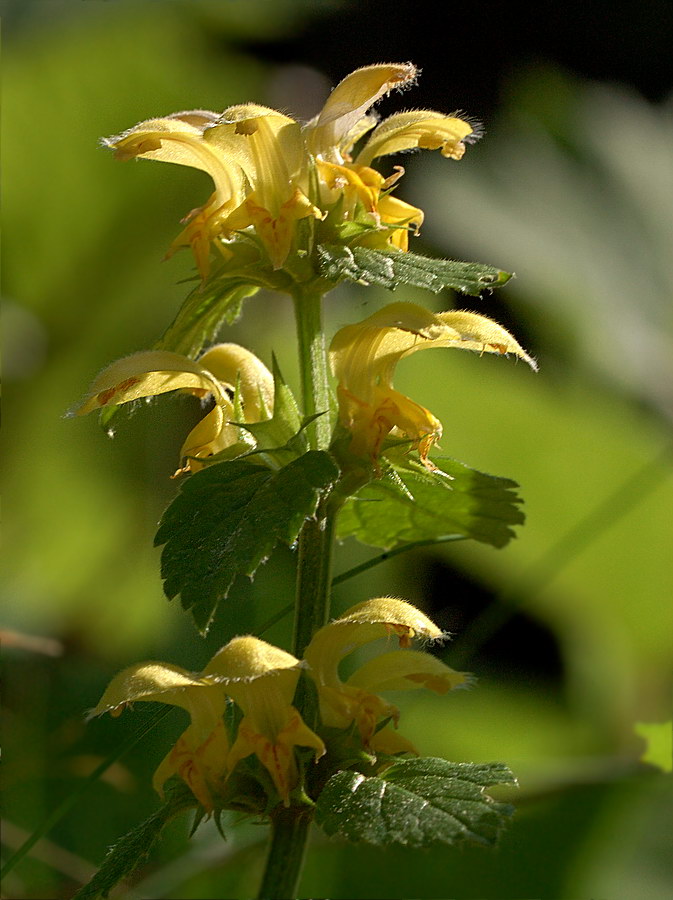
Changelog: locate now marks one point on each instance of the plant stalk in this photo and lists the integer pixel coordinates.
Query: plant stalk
(313, 367)
(314, 576)
(290, 826)
(289, 835)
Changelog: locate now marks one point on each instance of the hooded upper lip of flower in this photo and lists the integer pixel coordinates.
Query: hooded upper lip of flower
(199, 755)
(261, 160)
(259, 678)
(262, 679)
(220, 371)
(355, 699)
(363, 358)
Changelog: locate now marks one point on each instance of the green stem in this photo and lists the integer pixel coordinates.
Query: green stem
(313, 365)
(390, 554)
(314, 576)
(289, 834)
(290, 826)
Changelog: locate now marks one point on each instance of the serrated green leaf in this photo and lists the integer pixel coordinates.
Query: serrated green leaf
(390, 268)
(430, 505)
(124, 857)
(416, 802)
(226, 521)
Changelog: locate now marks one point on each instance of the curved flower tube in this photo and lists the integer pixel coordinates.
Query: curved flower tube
(264, 165)
(200, 753)
(261, 679)
(221, 372)
(356, 700)
(363, 359)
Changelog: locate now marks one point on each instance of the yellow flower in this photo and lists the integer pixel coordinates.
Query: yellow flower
(363, 359)
(269, 171)
(200, 754)
(261, 679)
(219, 372)
(355, 700)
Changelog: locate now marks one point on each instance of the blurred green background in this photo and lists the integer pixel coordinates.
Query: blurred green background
(572, 189)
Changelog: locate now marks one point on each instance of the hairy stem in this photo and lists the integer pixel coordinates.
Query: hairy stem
(314, 576)
(313, 365)
(289, 834)
(290, 826)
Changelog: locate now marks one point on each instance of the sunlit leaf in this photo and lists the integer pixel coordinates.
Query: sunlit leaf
(420, 505)
(389, 269)
(416, 802)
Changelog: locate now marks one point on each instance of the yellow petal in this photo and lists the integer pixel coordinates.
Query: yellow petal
(246, 658)
(481, 334)
(236, 367)
(356, 184)
(206, 226)
(180, 139)
(210, 436)
(359, 129)
(145, 374)
(349, 102)
(369, 350)
(368, 621)
(339, 706)
(149, 681)
(421, 128)
(364, 356)
(402, 670)
(386, 410)
(403, 217)
(269, 147)
(202, 764)
(275, 231)
(276, 754)
(355, 701)
(172, 138)
(260, 678)
(393, 615)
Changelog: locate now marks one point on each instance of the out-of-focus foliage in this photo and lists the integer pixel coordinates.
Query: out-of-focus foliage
(575, 186)
(570, 189)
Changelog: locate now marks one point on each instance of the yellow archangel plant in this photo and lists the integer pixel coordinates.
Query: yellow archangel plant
(260, 678)
(364, 357)
(226, 372)
(269, 171)
(306, 200)
(356, 701)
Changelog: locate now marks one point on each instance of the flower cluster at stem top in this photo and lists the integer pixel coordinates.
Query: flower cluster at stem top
(260, 679)
(270, 172)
